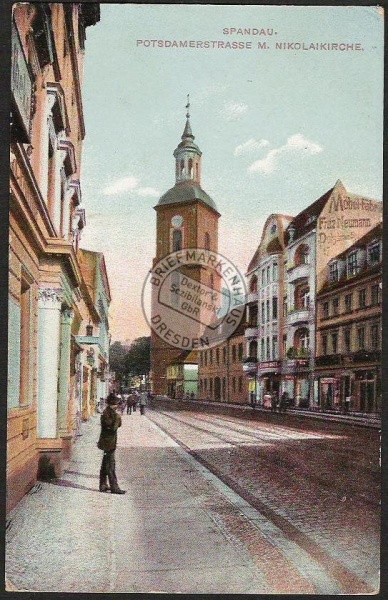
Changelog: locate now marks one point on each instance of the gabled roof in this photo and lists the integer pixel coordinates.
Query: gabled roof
(306, 220)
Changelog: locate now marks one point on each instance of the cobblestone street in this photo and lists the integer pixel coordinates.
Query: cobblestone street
(262, 499)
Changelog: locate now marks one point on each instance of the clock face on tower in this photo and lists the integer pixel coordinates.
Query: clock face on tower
(177, 221)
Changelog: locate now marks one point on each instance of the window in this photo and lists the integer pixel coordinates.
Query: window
(218, 356)
(275, 272)
(375, 295)
(268, 275)
(234, 353)
(207, 241)
(224, 354)
(224, 387)
(211, 357)
(234, 384)
(240, 384)
(176, 240)
(274, 308)
(253, 349)
(362, 298)
(347, 340)
(211, 386)
(361, 338)
(374, 253)
(348, 302)
(205, 357)
(335, 306)
(352, 264)
(305, 256)
(302, 339)
(334, 342)
(268, 314)
(374, 336)
(25, 341)
(253, 285)
(262, 312)
(324, 344)
(262, 349)
(191, 168)
(240, 352)
(268, 353)
(333, 271)
(253, 316)
(285, 308)
(263, 277)
(284, 344)
(325, 310)
(275, 347)
(305, 297)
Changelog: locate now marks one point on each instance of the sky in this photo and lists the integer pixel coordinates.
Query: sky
(277, 126)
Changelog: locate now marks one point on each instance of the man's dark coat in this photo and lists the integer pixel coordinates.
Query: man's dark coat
(110, 422)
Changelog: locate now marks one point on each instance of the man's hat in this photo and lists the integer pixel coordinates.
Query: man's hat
(112, 400)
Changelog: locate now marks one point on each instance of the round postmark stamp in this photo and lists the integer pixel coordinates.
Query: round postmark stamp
(194, 298)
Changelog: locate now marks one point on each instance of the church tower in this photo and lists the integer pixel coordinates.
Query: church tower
(187, 218)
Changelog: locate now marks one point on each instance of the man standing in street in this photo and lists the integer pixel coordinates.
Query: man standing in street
(110, 422)
(143, 402)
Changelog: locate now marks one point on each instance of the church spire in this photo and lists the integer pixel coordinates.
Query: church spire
(187, 154)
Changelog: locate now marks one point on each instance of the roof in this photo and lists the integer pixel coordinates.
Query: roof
(186, 191)
(306, 220)
(275, 245)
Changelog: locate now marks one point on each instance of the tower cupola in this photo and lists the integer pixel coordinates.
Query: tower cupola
(187, 155)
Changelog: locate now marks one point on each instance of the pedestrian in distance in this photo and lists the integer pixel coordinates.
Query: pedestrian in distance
(143, 402)
(130, 403)
(283, 402)
(110, 422)
(273, 402)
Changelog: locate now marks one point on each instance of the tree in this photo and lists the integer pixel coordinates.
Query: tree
(138, 358)
(117, 355)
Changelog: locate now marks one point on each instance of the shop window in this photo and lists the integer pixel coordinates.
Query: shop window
(361, 338)
(348, 303)
(362, 298)
(333, 271)
(240, 352)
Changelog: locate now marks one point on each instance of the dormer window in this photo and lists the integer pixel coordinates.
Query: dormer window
(352, 265)
(333, 271)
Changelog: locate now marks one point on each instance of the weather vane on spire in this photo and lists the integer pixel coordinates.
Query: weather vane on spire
(188, 107)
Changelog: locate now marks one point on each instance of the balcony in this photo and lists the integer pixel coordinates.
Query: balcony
(363, 356)
(250, 365)
(251, 332)
(298, 272)
(298, 316)
(328, 360)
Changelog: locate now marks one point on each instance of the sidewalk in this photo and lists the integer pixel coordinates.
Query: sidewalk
(162, 536)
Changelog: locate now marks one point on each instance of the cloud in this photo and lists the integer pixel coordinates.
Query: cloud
(250, 146)
(148, 191)
(233, 110)
(296, 144)
(125, 184)
(129, 184)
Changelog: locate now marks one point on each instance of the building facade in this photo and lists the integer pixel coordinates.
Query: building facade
(187, 218)
(46, 221)
(348, 363)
